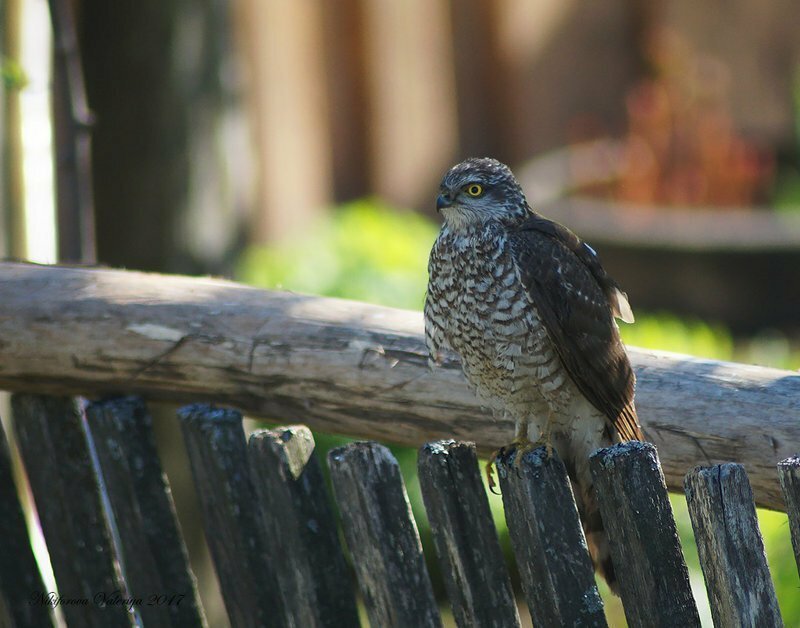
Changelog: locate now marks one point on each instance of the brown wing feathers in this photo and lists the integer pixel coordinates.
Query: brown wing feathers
(576, 301)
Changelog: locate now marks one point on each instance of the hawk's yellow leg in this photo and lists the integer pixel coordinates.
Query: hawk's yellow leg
(545, 438)
(522, 445)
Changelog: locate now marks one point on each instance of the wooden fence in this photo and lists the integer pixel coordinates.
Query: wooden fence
(343, 367)
(107, 516)
(118, 557)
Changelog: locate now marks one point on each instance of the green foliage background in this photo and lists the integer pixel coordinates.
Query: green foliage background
(370, 252)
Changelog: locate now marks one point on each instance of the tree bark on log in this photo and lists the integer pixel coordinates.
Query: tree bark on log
(346, 367)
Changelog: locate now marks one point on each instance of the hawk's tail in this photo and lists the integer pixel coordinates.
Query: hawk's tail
(595, 532)
(589, 511)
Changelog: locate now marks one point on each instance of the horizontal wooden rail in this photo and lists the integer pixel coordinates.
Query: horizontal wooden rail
(346, 367)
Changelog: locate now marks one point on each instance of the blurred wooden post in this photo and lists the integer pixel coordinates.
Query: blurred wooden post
(170, 158)
(217, 452)
(301, 529)
(282, 44)
(565, 67)
(73, 141)
(413, 124)
(474, 572)
(552, 557)
(382, 536)
(349, 98)
(153, 554)
(480, 71)
(730, 547)
(68, 500)
(789, 475)
(645, 548)
(12, 194)
(20, 579)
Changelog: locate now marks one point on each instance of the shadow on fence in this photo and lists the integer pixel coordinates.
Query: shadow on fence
(273, 535)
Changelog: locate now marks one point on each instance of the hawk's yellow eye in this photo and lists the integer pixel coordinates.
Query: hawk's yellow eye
(474, 189)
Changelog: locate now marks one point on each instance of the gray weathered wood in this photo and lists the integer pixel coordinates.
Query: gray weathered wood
(789, 472)
(301, 530)
(382, 536)
(475, 574)
(153, 554)
(645, 548)
(346, 368)
(68, 499)
(19, 574)
(548, 541)
(730, 547)
(217, 451)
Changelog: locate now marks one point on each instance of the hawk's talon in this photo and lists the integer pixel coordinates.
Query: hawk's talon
(521, 448)
(489, 469)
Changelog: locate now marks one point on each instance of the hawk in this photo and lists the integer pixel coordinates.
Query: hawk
(530, 311)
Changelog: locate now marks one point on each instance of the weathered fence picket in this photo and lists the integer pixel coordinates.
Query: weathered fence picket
(645, 548)
(215, 442)
(152, 552)
(382, 536)
(301, 530)
(103, 501)
(553, 560)
(730, 547)
(474, 572)
(58, 459)
(789, 474)
(20, 580)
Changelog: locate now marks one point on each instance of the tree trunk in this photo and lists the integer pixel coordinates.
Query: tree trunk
(167, 175)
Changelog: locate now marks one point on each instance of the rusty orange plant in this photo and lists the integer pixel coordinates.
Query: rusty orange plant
(681, 147)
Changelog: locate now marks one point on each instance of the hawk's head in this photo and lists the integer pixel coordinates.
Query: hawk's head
(480, 190)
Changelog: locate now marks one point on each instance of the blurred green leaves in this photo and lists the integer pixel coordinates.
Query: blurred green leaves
(363, 251)
(669, 333)
(14, 77)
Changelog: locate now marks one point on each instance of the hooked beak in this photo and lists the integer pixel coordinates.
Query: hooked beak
(442, 201)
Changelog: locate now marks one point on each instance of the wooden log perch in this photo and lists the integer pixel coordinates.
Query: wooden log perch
(730, 547)
(346, 367)
(552, 556)
(644, 543)
(473, 569)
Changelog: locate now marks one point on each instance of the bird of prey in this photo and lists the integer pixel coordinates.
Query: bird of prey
(530, 311)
